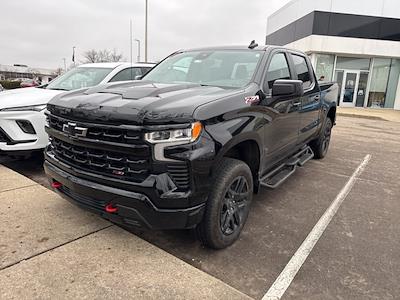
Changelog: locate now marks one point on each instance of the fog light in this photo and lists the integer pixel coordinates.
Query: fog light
(26, 126)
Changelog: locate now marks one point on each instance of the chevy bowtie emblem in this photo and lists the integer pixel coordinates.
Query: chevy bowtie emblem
(74, 130)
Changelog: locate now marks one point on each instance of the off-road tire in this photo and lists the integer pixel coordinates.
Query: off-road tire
(320, 145)
(210, 232)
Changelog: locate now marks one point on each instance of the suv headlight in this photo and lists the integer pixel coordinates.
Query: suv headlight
(176, 135)
(38, 107)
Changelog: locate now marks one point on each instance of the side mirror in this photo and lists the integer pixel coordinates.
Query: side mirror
(138, 77)
(287, 88)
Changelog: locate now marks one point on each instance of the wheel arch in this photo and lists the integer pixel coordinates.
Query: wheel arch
(246, 149)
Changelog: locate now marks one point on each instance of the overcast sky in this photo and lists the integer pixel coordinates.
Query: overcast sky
(41, 33)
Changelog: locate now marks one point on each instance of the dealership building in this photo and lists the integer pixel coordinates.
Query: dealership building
(355, 43)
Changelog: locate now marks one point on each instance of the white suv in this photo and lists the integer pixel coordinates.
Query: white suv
(22, 117)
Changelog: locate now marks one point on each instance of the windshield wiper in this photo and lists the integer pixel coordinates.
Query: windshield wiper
(57, 89)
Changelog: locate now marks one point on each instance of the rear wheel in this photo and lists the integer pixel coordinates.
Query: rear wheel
(228, 205)
(321, 144)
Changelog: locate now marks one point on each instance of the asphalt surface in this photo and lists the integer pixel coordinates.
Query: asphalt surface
(357, 256)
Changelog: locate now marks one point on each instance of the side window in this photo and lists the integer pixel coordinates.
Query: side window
(278, 69)
(303, 73)
(127, 74)
(145, 70)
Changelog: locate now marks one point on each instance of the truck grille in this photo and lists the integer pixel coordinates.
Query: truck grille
(103, 162)
(129, 158)
(102, 133)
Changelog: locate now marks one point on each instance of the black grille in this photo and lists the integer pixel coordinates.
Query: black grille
(116, 164)
(180, 175)
(3, 137)
(97, 132)
(93, 203)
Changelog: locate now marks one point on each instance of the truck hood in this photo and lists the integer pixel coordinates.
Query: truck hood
(26, 97)
(138, 102)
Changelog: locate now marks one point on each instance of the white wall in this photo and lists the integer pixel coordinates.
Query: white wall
(296, 9)
(347, 46)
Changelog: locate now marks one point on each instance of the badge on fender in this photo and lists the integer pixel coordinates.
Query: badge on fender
(252, 99)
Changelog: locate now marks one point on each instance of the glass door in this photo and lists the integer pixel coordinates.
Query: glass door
(349, 87)
(362, 89)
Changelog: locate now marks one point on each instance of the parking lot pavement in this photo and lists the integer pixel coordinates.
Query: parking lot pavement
(51, 249)
(356, 257)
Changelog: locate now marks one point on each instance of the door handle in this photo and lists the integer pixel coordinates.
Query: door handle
(316, 98)
(298, 103)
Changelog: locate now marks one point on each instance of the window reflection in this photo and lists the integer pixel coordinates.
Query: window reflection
(379, 80)
(324, 67)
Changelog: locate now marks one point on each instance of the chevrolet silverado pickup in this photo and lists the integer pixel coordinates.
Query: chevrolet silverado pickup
(188, 145)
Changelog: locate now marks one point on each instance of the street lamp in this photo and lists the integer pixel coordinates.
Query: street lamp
(145, 31)
(138, 49)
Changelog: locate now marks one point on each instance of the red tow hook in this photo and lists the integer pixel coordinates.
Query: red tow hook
(56, 184)
(111, 208)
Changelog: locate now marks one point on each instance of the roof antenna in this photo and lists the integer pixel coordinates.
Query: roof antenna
(253, 44)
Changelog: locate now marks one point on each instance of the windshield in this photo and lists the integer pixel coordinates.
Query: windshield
(79, 78)
(224, 68)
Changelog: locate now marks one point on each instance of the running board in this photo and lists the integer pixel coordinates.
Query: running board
(277, 176)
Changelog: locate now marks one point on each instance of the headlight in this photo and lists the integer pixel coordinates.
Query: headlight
(176, 135)
(38, 107)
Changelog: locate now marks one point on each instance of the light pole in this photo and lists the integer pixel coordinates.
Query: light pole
(138, 49)
(73, 55)
(65, 65)
(145, 31)
(130, 36)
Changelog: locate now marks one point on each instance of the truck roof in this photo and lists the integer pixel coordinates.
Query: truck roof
(231, 47)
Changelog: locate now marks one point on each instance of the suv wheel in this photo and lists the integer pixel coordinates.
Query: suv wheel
(321, 144)
(228, 205)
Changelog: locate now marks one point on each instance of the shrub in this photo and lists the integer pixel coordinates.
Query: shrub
(9, 85)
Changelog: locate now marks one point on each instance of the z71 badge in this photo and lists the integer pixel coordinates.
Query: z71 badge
(252, 99)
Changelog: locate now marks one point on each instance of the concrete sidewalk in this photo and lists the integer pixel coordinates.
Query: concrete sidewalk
(50, 249)
(370, 113)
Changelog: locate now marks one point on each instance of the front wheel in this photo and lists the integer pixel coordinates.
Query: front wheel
(321, 144)
(228, 205)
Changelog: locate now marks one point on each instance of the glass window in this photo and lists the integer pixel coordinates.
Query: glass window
(339, 79)
(127, 74)
(278, 69)
(145, 70)
(379, 81)
(352, 63)
(392, 83)
(324, 67)
(303, 74)
(223, 68)
(80, 77)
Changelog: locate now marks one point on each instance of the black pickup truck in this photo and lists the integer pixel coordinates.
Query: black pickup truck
(188, 145)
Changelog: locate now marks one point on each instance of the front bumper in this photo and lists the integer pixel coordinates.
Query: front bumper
(14, 139)
(133, 208)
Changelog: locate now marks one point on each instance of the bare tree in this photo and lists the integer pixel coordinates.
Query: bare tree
(58, 71)
(93, 56)
(90, 56)
(115, 57)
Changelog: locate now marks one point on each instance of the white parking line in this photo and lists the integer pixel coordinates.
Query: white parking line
(286, 277)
